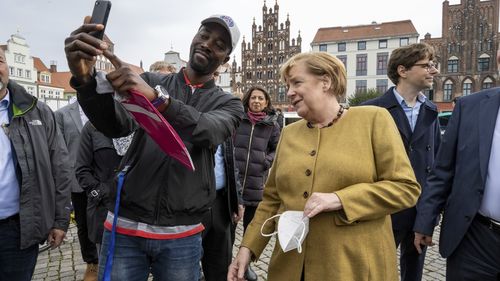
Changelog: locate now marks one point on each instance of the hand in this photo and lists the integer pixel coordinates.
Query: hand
(422, 239)
(321, 202)
(237, 217)
(55, 237)
(124, 78)
(82, 50)
(237, 268)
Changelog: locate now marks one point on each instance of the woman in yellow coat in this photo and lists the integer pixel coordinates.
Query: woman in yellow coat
(347, 170)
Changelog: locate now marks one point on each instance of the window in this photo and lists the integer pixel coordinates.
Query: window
(447, 90)
(343, 59)
(452, 65)
(269, 74)
(269, 60)
(341, 47)
(19, 58)
(382, 44)
(361, 65)
(323, 47)
(249, 75)
(483, 64)
(467, 88)
(270, 46)
(19, 72)
(28, 74)
(281, 94)
(362, 45)
(487, 83)
(404, 41)
(259, 61)
(281, 59)
(270, 34)
(259, 75)
(429, 93)
(382, 85)
(31, 91)
(382, 63)
(45, 78)
(360, 86)
(12, 71)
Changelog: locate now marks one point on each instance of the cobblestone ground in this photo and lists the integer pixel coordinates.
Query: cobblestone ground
(65, 263)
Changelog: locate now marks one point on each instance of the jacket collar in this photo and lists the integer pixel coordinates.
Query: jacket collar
(427, 115)
(488, 110)
(20, 99)
(74, 112)
(207, 85)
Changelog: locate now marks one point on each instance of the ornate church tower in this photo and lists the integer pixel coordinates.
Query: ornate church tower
(268, 49)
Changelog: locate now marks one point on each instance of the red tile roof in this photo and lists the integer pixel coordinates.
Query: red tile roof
(374, 30)
(39, 65)
(62, 80)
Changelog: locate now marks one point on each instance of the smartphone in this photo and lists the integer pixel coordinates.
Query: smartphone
(100, 15)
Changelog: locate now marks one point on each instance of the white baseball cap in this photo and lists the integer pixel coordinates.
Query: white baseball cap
(228, 23)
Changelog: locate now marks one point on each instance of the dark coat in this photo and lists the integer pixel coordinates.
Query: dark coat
(254, 148)
(95, 167)
(457, 182)
(43, 172)
(234, 189)
(421, 145)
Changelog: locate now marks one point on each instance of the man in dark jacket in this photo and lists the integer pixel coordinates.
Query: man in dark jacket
(34, 179)
(220, 222)
(71, 120)
(412, 70)
(162, 203)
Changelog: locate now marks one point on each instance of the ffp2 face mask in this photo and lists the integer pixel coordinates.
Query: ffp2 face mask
(292, 230)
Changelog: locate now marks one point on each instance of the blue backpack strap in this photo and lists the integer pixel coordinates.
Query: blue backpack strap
(111, 247)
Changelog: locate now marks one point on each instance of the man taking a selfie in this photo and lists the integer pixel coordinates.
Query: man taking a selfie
(162, 203)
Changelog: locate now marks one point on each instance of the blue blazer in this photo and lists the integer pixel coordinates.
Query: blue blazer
(421, 145)
(457, 181)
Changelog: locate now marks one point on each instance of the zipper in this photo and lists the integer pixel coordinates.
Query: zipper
(248, 159)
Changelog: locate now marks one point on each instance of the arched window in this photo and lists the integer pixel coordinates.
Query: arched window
(447, 90)
(453, 64)
(483, 62)
(487, 83)
(467, 87)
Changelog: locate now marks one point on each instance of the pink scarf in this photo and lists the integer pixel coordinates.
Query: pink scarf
(256, 116)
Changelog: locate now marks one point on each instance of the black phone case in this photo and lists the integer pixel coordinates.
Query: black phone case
(100, 15)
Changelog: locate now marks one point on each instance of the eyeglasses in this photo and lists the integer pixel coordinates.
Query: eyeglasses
(427, 66)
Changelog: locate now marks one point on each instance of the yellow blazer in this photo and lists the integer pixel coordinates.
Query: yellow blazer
(362, 159)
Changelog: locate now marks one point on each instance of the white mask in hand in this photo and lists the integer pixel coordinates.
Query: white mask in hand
(292, 230)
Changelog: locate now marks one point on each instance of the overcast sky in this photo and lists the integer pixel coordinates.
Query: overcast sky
(146, 29)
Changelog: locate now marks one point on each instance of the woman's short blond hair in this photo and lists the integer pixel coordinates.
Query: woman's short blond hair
(320, 64)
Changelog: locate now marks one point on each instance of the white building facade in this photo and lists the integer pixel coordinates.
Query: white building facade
(365, 51)
(174, 58)
(20, 61)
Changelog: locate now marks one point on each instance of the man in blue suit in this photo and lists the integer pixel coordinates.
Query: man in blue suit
(465, 186)
(412, 70)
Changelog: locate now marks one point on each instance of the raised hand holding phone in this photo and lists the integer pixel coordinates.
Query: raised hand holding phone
(81, 49)
(100, 15)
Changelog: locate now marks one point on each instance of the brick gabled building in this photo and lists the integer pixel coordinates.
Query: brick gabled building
(261, 58)
(466, 52)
